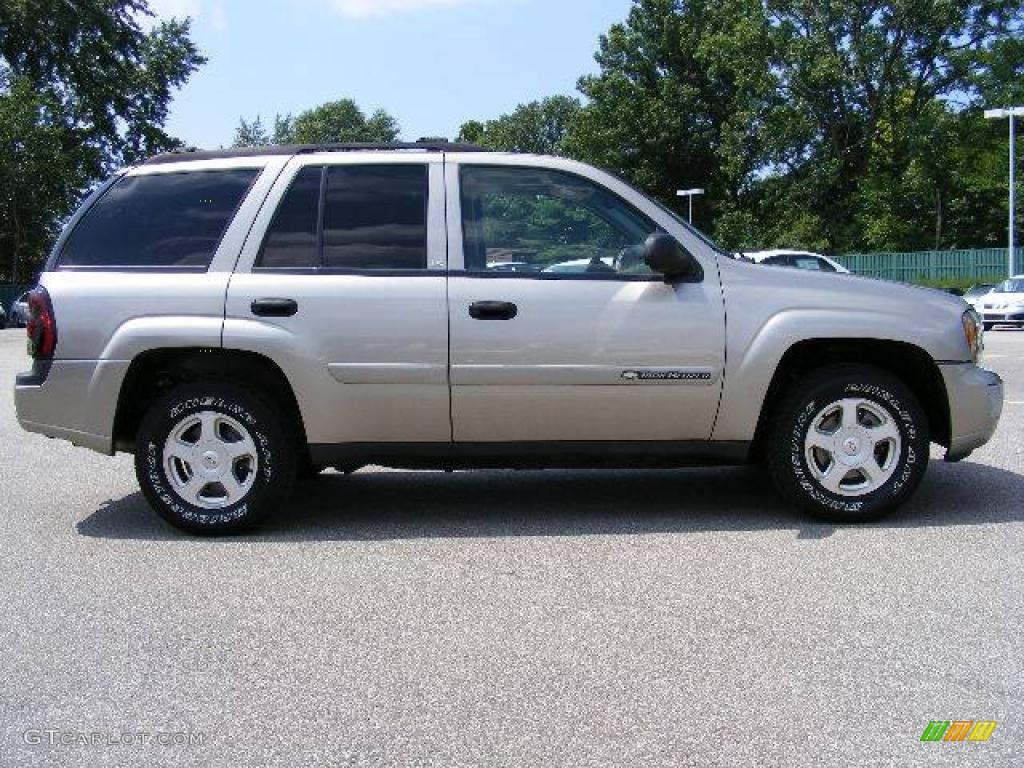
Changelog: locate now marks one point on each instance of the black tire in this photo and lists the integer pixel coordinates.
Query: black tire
(274, 449)
(806, 400)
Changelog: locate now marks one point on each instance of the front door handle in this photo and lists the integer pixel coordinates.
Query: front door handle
(493, 310)
(274, 307)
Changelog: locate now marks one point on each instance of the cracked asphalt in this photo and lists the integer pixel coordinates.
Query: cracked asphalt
(649, 618)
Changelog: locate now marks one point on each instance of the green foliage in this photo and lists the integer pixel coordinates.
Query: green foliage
(544, 230)
(680, 101)
(251, 134)
(334, 122)
(36, 176)
(839, 126)
(539, 127)
(83, 89)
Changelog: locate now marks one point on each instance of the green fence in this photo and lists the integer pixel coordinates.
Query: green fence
(9, 293)
(974, 264)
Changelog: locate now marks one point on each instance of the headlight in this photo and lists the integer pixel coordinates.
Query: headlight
(973, 334)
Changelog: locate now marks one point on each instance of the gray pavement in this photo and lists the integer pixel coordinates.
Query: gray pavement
(676, 618)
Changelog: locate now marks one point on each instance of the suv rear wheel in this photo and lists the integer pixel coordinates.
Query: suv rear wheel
(214, 458)
(849, 444)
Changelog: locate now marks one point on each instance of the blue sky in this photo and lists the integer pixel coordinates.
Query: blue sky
(433, 64)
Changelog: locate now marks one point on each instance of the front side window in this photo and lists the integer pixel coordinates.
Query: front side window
(534, 220)
(351, 217)
(158, 220)
(808, 262)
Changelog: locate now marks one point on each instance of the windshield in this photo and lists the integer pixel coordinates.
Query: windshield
(978, 290)
(1013, 285)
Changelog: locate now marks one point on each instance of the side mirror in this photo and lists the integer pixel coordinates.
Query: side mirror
(664, 255)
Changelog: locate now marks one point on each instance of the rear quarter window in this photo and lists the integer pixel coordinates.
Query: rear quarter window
(159, 220)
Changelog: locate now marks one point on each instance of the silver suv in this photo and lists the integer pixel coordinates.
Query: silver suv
(237, 319)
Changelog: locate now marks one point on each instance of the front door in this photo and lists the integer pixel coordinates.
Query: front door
(559, 331)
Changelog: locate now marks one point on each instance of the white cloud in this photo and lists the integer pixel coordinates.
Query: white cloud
(366, 8)
(211, 13)
(175, 8)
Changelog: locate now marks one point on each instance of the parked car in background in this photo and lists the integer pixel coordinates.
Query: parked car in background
(19, 312)
(976, 293)
(1004, 305)
(798, 259)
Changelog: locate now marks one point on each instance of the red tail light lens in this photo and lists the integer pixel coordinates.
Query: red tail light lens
(42, 325)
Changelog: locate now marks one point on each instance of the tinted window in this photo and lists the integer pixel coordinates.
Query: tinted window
(292, 237)
(777, 261)
(536, 220)
(812, 262)
(160, 220)
(375, 217)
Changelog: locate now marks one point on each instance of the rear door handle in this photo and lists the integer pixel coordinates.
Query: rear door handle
(493, 310)
(274, 307)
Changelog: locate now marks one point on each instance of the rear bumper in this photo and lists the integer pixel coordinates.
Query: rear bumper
(975, 404)
(74, 400)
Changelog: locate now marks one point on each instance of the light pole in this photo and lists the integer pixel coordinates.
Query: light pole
(689, 194)
(999, 114)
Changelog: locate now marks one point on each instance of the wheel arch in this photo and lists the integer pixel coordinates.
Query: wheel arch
(908, 362)
(155, 371)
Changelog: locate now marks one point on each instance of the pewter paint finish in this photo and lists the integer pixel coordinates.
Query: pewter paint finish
(376, 358)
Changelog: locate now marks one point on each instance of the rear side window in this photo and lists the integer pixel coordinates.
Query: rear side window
(292, 238)
(361, 218)
(159, 220)
(375, 217)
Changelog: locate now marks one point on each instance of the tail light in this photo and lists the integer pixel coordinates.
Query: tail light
(42, 325)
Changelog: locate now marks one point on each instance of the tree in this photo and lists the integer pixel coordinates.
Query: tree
(334, 122)
(342, 121)
(84, 81)
(868, 92)
(251, 134)
(539, 127)
(842, 125)
(681, 98)
(34, 177)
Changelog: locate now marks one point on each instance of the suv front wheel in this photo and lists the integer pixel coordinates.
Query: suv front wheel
(214, 458)
(849, 444)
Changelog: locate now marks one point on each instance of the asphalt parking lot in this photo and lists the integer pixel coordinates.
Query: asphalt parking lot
(677, 618)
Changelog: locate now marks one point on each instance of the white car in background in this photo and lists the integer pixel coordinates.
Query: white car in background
(976, 293)
(798, 259)
(1004, 305)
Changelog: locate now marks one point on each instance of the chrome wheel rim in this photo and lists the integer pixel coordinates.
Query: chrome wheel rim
(852, 447)
(210, 460)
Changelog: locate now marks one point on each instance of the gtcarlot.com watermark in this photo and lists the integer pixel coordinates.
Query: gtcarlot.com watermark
(54, 737)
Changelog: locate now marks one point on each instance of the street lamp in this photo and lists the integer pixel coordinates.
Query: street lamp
(999, 114)
(690, 194)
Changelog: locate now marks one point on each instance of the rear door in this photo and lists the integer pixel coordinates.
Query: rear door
(342, 283)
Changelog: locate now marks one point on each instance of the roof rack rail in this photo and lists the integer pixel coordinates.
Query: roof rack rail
(179, 155)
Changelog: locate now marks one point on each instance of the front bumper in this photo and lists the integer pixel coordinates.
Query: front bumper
(1007, 315)
(975, 398)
